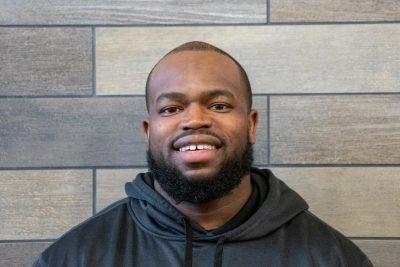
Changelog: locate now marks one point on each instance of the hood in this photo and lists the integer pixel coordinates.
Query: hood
(156, 216)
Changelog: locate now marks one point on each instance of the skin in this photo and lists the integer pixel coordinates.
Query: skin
(193, 91)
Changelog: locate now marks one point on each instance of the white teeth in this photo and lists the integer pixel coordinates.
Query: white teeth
(197, 147)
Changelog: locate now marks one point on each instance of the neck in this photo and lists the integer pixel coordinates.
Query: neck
(215, 213)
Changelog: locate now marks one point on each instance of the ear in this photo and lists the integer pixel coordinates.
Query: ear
(253, 121)
(146, 129)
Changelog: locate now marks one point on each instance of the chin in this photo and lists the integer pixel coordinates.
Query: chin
(199, 174)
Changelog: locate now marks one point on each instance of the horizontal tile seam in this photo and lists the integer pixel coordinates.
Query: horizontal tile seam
(389, 238)
(142, 95)
(19, 241)
(344, 22)
(44, 168)
(240, 24)
(272, 165)
(133, 25)
(27, 241)
(69, 96)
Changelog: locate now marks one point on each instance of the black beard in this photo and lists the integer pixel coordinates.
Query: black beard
(184, 189)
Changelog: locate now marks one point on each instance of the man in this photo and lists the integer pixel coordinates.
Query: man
(202, 204)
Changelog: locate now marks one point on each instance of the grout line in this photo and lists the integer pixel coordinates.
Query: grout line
(148, 25)
(321, 23)
(254, 95)
(271, 165)
(93, 61)
(328, 94)
(374, 238)
(94, 188)
(71, 96)
(45, 25)
(268, 3)
(268, 130)
(27, 241)
(325, 165)
(222, 24)
(72, 168)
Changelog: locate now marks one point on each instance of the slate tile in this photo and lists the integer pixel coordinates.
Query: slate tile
(282, 59)
(43, 204)
(353, 129)
(131, 12)
(45, 61)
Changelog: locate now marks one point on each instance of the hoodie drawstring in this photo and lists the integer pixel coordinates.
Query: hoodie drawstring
(188, 245)
(189, 249)
(218, 252)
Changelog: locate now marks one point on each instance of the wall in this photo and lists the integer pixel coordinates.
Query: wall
(326, 79)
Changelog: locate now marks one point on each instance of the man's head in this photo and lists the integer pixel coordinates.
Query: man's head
(201, 127)
(202, 46)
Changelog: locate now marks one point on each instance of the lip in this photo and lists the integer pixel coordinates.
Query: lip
(196, 158)
(197, 139)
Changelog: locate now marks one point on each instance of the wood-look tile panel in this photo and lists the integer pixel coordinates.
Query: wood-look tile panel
(43, 204)
(261, 146)
(110, 185)
(45, 61)
(131, 12)
(358, 202)
(382, 253)
(71, 132)
(335, 11)
(281, 59)
(20, 254)
(83, 132)
(355, 129)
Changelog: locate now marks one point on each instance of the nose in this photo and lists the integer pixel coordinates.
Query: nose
(195, 117)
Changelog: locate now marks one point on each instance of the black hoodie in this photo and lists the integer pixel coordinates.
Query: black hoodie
(145, 230)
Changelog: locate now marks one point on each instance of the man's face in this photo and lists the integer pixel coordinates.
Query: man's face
(198, 114)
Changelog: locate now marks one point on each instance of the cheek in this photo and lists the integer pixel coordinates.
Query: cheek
(158, 136)
(237, 133)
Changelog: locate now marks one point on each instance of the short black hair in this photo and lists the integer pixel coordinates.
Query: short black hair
(203, 46)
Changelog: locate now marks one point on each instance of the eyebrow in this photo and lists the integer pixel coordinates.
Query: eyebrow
(218, 92)
(181, 96)
(171, 95)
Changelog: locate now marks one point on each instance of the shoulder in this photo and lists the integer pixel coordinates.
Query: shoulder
(88, 239)
(326, 243)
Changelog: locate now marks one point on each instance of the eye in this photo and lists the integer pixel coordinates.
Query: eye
(168, 111)
(221, 107)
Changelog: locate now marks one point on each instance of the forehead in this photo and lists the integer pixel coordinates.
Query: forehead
(191, 71)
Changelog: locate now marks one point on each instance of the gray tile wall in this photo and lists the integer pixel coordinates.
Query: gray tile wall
(325, 77)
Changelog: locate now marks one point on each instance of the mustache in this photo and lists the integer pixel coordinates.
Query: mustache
(199, 131)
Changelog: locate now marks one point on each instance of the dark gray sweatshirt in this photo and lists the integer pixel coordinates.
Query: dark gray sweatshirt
(273, 229)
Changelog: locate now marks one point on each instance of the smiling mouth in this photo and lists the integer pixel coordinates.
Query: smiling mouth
(197, 147)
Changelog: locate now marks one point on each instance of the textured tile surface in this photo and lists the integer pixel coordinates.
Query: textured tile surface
(281, 59)
(110, 185)
(337, 10)
(20, 254)
(82, 132)
(45, 61)
(132, 12)
(43, 204)
(261, 146)
(71, 132)
(356, 201)
(382, 253)
(335, 129)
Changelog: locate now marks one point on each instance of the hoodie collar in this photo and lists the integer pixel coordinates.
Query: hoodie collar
(154, 214)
